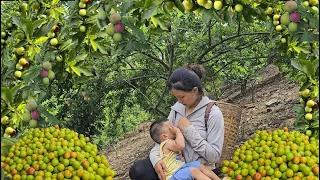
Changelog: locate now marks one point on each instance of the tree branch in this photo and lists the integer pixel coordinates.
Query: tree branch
(209, 32)
(162, 113)
(148, 100)
(162, 56)
(156, 59)
(147, 76)
(211, 25)
(171, 52)
(256, 40)
(239, 28)
(250, 58)
(226, 39)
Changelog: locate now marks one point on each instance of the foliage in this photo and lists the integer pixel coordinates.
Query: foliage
(98, 79)
(308, 111)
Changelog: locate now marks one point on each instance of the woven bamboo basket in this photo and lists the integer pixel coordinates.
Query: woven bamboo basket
(231, 115)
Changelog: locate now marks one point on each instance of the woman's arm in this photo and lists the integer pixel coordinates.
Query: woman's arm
(157, 163)
(154, 154)
(211, 148)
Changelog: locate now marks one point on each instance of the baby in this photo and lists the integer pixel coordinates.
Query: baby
(171, 142)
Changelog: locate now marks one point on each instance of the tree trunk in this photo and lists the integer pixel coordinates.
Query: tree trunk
(243, 87)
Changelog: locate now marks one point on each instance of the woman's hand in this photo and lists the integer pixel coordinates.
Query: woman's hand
(183, 123)
(160, 168)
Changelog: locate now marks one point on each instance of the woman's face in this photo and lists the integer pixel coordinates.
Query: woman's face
(186, 98)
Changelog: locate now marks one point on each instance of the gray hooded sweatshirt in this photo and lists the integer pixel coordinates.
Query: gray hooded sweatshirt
(200, 145)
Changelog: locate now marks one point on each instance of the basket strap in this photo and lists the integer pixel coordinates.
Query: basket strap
(207, 113)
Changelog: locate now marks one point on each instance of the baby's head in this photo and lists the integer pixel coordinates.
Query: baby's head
(159, 130)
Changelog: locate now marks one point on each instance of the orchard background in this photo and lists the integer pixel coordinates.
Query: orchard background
(99, 68)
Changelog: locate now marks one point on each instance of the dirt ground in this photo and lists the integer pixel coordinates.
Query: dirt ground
(266, 105)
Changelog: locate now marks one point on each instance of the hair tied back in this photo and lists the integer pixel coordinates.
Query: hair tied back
(197, 68)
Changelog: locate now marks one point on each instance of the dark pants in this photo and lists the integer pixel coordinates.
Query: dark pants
(143, 170)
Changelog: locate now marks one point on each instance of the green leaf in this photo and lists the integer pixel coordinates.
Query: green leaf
(6, 95)
(93, 44)
(148, 13)
(41, 96)
(147, 3)
(43, 110)
(31, 73)
(308, 68)
(135, 30)
(32, 51)
(16, 21)
(305, 86)
(38, 23)
(101, 48)
(297, 49)
(312, 19)
(247, 17)
(5, 151)
(315, 63)
(72, 63)
(29, 28)
(162, 24)
(2, 174)
(316, 91)
(154, 21)
(65, 46)
(15, 88)
(76, 70)
(129, 46)
(54, 2)
(60, 10)
(5, 112)
(54, 14)
(209, 14)
(7, 141)
(126, 5)
(81, 57)
(85, 71)
(45, 28)
(179, 5)
(295, 64)
(41, 40)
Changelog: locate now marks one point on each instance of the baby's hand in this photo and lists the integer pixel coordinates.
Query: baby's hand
(173, 129)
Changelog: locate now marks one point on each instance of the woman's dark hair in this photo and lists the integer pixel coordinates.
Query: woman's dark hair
(186, 78)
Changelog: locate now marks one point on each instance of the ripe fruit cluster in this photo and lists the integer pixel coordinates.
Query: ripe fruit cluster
(53, 153)
(4, 37)
(9, 131)
(115, 27)
(46, 73)
(291, 18)
(277, 154)
(208, 4)
(52, 34)
(31, 114)
(22, 62)
(5, 33)
(83, 12)
(308, 99)
(313, 4)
